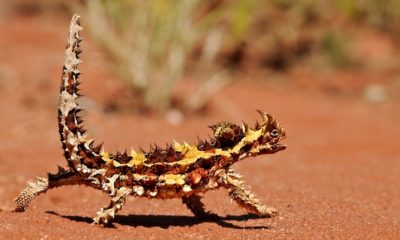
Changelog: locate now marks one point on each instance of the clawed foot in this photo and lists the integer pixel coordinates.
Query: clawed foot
(20, 209)
(266, 212)
(104, 217)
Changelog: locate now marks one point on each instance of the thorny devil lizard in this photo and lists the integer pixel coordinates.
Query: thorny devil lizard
(178, 171)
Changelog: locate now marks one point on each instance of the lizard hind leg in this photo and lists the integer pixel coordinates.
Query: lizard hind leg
(193, 202)
(105, 215)
(41, 185)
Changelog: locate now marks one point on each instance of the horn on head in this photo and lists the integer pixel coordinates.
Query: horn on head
(266, 117)
(245, 127)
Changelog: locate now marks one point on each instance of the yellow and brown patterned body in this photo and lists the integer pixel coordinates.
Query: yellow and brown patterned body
(176, 171)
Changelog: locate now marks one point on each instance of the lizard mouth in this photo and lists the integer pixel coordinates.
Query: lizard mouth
(278, 147)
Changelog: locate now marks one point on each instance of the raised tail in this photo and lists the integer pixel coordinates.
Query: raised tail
(77, 149)
(82, 157)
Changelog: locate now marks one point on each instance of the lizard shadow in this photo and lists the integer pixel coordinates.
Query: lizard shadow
(166, 221)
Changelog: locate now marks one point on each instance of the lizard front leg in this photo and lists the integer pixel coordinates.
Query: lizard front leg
(193, 202)
(243, 197)
(105, 215)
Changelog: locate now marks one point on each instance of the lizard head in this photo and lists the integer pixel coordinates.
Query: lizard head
(264, 138)
(270, 137)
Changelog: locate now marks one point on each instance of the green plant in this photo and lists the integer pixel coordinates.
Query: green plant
(151, 42)
(384, 14)
(334, 45)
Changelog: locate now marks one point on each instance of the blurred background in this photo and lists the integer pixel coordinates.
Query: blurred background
(159, 70)
(177, 55)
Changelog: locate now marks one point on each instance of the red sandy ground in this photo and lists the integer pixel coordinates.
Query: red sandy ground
(338, 179)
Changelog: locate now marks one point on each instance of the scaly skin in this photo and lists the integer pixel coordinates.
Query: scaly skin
(177, 171)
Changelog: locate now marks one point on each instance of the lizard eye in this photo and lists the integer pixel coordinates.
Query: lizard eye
(274, 133)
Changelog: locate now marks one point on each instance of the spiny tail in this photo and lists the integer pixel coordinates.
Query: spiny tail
(78, 151)
(75, 145)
